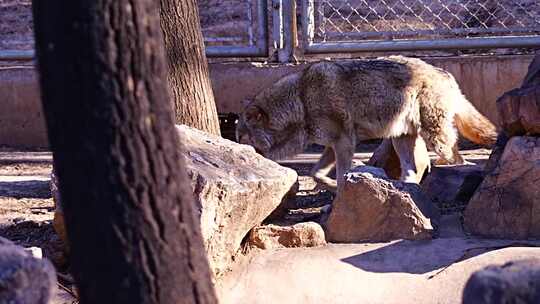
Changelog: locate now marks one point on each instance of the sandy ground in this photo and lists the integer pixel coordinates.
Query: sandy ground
(399, 272)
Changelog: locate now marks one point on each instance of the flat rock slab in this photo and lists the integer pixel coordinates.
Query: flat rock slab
(371, 207)
(404, 272)
(235, 189)
(507, 203)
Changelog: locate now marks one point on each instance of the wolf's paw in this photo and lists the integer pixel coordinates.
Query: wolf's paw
(325, 183)
(444, 162)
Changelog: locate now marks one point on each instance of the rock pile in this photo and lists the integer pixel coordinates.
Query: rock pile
(507, 202)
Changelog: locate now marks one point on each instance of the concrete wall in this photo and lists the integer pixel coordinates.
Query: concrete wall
(482, 79)
(21, 117)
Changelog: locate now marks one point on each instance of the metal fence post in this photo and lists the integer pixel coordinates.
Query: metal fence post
(284, 28)
(308, 22)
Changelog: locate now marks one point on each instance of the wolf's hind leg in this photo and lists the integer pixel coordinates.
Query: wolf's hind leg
(407, 148)
(325, 164)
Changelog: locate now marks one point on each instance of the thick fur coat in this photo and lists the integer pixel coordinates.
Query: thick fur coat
(336, 103)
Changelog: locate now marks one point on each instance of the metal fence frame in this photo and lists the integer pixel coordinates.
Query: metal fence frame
(312, 47)
(285, 37)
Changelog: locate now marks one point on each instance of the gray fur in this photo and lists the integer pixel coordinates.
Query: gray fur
(337, 103)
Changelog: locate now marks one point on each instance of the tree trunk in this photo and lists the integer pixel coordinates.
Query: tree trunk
(188, 76)
(127, 201)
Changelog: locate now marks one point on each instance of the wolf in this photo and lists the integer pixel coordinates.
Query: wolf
(337, 103)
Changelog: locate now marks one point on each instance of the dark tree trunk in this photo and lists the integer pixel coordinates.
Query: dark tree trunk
(127, 201)
(188, 76)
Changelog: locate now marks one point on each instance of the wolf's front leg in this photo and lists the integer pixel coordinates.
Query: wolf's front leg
(344, 151)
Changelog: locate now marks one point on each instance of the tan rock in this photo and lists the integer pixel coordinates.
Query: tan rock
(507, 203)
(385, 157)
(235, 189)
(370, 207)
(308, 234)
(519, 111)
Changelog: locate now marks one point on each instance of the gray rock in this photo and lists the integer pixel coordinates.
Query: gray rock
(454, 185)
(370, 207)
(235, 189)
(513, 282)
(23, 278)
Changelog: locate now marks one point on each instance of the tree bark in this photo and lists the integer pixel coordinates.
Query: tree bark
(126, 198)
(188, 76)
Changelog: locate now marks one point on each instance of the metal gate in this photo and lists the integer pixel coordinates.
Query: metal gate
(234, 28)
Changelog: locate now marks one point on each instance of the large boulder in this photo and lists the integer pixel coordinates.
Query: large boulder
(371, 207)
(385, 157)
(24, 279)
(235, 189)
(307, 234)
(513, 282)
(507, 203)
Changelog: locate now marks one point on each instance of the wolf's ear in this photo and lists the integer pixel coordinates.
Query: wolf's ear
(255, 114)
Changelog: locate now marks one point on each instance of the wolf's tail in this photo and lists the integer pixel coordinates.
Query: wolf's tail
(473, 125)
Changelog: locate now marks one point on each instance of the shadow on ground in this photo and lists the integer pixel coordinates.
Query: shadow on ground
(421, 257)
(25, 189)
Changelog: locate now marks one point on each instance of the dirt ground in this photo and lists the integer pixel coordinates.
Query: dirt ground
(26, 211)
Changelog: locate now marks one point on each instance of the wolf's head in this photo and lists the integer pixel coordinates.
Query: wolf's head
(273, 123)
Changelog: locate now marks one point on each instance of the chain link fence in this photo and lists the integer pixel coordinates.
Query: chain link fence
(354, 20)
